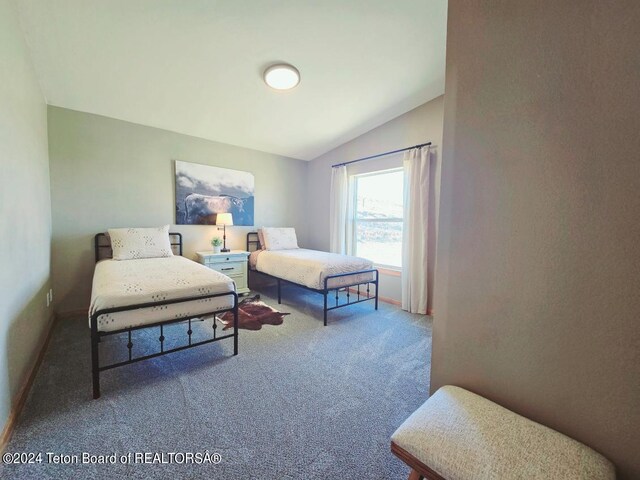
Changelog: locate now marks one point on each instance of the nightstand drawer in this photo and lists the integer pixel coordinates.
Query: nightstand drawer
(241, 282)
(228, 268)
(222, 258)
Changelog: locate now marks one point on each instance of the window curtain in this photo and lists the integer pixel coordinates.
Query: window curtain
(416, 228)
(338, 209)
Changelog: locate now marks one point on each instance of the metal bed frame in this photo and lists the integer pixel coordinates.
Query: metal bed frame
(253, 240)
(100, 245)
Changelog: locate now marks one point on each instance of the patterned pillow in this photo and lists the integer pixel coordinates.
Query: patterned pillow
(280, 238)
(130, 243)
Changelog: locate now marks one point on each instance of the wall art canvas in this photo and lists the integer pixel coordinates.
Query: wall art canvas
(203, 191)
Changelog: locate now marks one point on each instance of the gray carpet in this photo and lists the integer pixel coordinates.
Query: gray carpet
(300, 401)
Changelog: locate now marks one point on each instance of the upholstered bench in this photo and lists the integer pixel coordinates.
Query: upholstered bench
(458, 435)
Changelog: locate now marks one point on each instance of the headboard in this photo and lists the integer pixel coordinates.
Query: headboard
(253, 241)
(102, 245)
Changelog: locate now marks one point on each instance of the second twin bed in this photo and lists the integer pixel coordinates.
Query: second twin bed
(275, 253)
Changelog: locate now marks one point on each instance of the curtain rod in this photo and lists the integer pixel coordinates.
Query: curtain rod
(381, 155)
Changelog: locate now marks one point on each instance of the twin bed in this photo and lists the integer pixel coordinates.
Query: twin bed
(136, 293)
(275, 254)
(139, 283)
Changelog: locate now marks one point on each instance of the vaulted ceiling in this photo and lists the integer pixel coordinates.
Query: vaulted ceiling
(195, 66)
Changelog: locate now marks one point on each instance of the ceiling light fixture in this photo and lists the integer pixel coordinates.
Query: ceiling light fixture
(282, 76)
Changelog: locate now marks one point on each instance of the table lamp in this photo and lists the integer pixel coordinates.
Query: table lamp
(224, 219)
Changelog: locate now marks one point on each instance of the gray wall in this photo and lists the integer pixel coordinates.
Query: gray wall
(25, 211)
(538, 275)
(419, 125)
(110, 173)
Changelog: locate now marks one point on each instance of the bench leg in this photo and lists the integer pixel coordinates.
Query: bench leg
(413, 475)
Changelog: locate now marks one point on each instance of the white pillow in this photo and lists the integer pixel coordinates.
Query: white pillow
(279, 238)
(130, 243)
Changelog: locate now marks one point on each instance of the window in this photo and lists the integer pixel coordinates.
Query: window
(377, 220)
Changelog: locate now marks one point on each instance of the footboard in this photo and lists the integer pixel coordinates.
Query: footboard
(360, 296)
(97, 335)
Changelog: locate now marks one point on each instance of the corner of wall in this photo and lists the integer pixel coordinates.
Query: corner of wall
(25, 277)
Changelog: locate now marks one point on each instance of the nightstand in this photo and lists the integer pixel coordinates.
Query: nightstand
(233, 264)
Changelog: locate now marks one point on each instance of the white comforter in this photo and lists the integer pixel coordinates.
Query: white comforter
(310, 267)
(118, 283)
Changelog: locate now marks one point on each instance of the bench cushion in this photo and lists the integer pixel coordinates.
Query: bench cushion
(463, 436)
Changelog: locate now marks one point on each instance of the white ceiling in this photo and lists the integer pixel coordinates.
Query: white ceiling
(195, 66)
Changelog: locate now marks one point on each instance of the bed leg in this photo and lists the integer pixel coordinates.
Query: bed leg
(377, 281)
(279, 292)
(325, 308)
(95, 367)
(235, 330)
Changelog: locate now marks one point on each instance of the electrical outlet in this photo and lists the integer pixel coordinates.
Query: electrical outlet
(48, 301)
(51, 294)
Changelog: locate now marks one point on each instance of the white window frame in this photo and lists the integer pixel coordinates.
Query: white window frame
(356, 220)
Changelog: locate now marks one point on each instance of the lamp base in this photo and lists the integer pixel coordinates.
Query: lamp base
(224, 240)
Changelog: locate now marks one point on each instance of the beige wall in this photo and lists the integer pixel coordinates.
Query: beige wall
(419, 125)
(109, 173)
(538, 275)
(25, 211)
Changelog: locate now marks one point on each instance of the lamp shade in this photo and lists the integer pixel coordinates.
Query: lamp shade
(224, 219)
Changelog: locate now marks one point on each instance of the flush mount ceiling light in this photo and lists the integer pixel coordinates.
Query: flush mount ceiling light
(282, 76)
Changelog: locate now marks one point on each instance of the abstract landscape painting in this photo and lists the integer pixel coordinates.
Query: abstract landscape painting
(203, 191)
